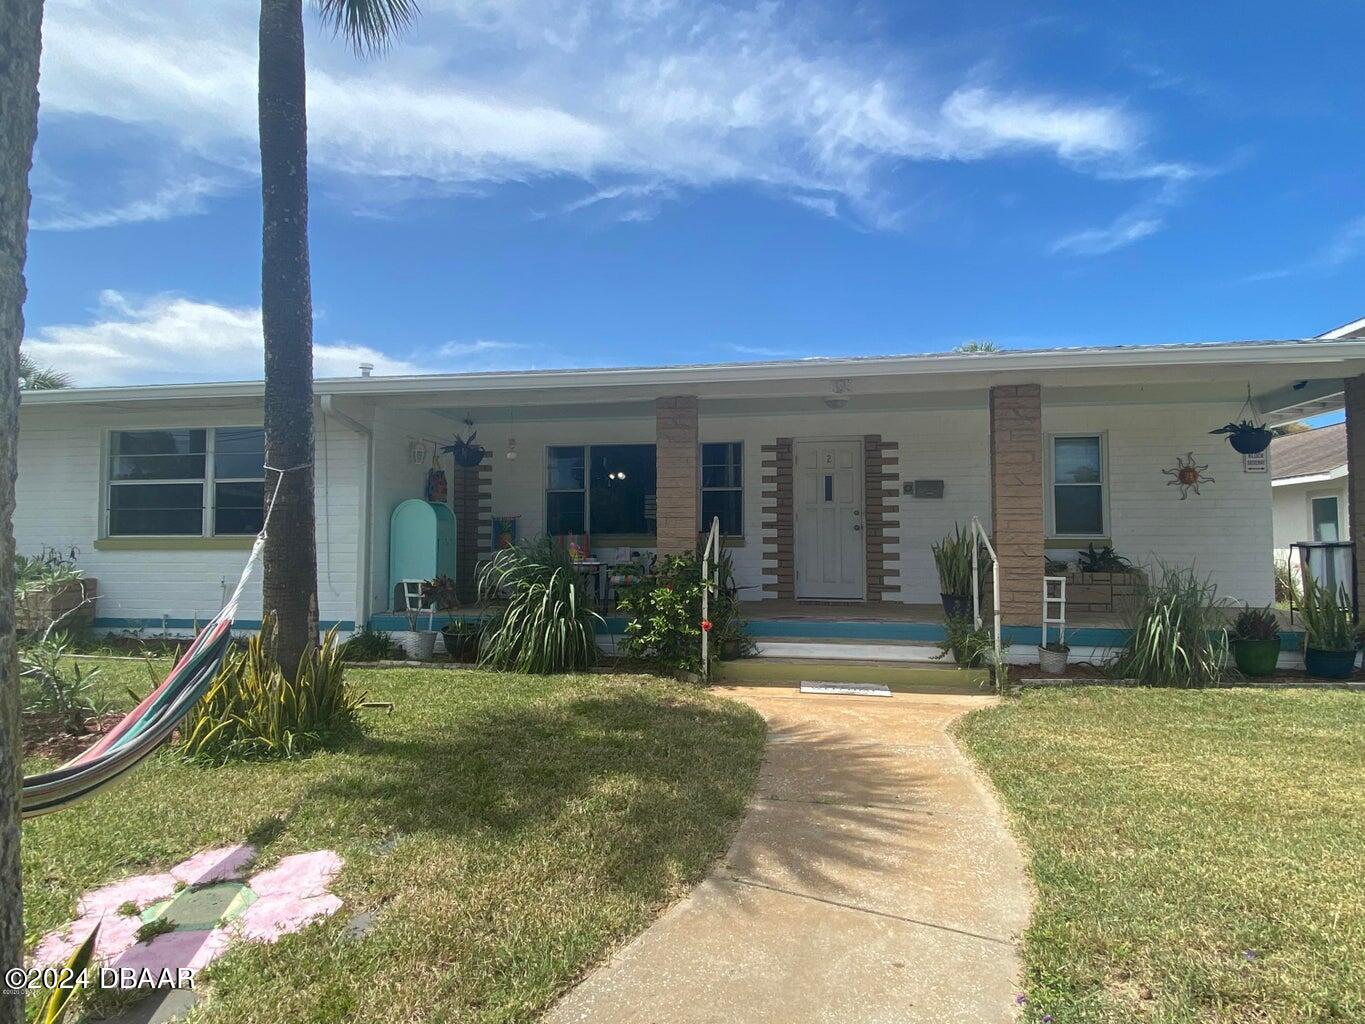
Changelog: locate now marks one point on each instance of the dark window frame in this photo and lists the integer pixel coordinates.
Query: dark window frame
(586, 488)
(207, 481)
(703, 489)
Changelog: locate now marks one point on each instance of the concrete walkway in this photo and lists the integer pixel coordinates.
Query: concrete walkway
(873, 880)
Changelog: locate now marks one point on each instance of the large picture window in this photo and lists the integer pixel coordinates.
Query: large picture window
(722, 487)
(185, 482)
(1077, 485)
(601, 489)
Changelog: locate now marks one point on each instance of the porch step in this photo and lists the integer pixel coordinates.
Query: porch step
(853, 650)
(899, 677)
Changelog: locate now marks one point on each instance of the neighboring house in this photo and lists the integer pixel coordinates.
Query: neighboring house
(1309, 482)
(831, 478)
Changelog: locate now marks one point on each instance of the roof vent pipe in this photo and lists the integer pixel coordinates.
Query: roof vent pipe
(366, 369)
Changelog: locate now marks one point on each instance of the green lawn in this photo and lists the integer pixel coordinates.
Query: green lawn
(509, 831)
(1198, 856)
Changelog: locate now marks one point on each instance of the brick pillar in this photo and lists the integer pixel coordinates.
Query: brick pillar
(1017, 500)
(1355, 469)
(470, 501)
(676, 454)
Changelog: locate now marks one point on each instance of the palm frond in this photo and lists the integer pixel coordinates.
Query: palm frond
(368, 25)
(40, 378)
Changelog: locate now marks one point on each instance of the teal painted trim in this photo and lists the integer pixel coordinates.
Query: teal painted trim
(836, 629)
(344, 625)
(389, 622)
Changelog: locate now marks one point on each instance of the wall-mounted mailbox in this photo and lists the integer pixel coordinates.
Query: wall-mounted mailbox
(923, 488)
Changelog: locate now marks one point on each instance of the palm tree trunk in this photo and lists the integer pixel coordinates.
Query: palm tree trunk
(291, 571)
(20, 43)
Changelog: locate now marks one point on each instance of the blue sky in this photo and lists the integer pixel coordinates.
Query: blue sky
(549, 183)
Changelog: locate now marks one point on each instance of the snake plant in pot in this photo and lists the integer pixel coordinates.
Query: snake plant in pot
(953, 560)
(1330, 642)
(1256, 641)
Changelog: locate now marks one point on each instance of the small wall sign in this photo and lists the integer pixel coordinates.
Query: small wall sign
(1258, 462)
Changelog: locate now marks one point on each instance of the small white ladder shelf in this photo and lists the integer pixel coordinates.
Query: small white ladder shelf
(1054, 594)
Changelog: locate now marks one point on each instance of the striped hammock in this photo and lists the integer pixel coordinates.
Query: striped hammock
(149, 724)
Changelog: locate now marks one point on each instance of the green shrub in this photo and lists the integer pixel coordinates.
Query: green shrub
(368, 644)
(1178, 633)
(969, 644)
(58, 687)
(251, 711)
(665, 615)
(546, 623)
(953, 560)
(1327, 617)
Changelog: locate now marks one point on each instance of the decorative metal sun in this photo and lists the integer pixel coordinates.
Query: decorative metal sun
(1186, 475)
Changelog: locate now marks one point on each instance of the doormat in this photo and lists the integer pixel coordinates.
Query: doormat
(846, 689)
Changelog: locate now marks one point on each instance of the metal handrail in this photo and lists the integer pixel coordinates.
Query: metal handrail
(710, 562)
(978, 538)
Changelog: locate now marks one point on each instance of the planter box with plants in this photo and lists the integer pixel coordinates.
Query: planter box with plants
(1255, 642)
(1329, 640)
(51, 593)
(1102, 581)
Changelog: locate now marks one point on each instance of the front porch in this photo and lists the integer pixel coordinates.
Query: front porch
(777, 626)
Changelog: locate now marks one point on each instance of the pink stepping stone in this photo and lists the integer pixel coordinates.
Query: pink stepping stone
(302, 875)
(171, 951)
(140, 889)
(271, 917)
(225, 864)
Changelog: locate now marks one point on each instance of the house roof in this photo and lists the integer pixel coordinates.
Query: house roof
(1301, 359)
(1311, 453)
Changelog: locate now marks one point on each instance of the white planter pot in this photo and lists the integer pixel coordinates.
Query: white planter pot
(417, 644)
(1052, 663)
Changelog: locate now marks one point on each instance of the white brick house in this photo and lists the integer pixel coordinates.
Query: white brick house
(832, 477)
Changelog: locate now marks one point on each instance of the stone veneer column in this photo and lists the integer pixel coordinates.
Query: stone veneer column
(1355, 470)
(676, 454)
(1017, 500)
(470, 500)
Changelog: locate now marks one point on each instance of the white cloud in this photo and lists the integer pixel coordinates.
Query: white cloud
(167, 339)
(676, 93)
(175, 199)
(1345, 244)
(1125, 230)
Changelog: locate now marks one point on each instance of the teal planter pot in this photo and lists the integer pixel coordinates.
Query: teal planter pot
(1329, 664)
(1256, 658)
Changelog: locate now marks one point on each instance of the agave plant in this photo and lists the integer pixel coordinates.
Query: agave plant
(545, 623)
(1178, 634)
(252, 710)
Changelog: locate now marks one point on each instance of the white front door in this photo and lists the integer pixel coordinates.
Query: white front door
(830, 546)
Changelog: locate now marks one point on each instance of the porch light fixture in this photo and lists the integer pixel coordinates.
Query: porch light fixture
(836, 401)
(617, 474)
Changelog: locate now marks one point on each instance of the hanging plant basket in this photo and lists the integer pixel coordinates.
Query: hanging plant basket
(465, 452)
(1246, 437)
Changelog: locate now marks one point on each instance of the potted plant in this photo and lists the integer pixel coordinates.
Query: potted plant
(465, 452)
(1256, 641)
(417, 644)
(1329, 640)
(461, 639)
(1246, 437)
(953, 560)
(1052, 657)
